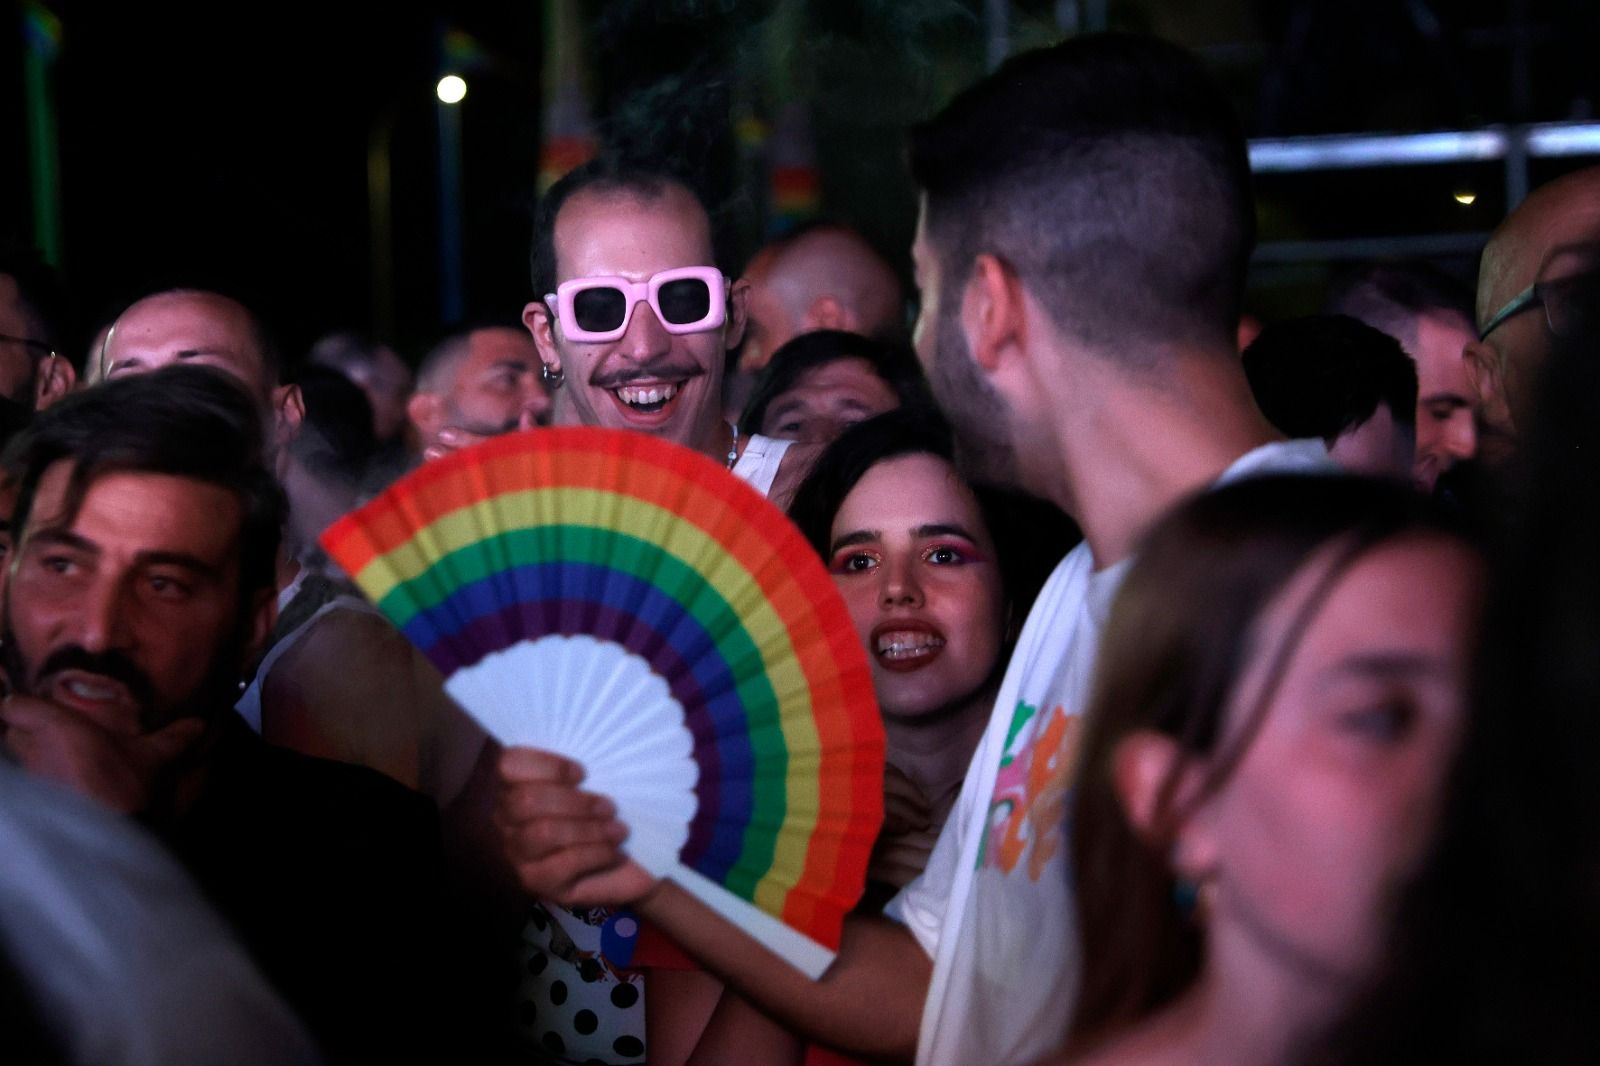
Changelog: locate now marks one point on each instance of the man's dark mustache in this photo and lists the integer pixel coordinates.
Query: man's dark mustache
(111, 665)
(660, 371)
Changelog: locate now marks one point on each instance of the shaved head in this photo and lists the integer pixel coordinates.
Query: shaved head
(189, 326)
(826, 277)
(198, 327)
(1563, 211)
(1532, 245)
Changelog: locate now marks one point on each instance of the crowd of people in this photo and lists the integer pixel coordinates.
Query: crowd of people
(1239, 703)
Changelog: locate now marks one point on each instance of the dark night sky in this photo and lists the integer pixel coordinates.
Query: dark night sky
(227, 143)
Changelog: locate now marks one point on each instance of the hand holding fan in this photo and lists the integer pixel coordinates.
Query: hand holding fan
(629, 604)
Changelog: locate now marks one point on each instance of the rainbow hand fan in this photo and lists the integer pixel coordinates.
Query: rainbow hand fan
(630, 604)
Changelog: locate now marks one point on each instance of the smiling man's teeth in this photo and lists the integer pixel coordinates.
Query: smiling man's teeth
(646, 396)
(905, 645)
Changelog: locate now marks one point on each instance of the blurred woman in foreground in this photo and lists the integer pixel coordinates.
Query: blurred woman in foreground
(1279, 693)
(1495, 954)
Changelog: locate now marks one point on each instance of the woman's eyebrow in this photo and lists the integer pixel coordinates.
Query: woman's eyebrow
(944, 529)
(860, 536)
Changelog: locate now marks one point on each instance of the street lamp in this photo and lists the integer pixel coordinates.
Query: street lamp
(452, 89)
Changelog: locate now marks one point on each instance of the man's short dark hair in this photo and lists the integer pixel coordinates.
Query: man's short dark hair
(895, 363)
(604, 174)
(1111, 174)
(443, 358)
(335, 441)
(1392, 296)
(1323, 375)
(186, 421)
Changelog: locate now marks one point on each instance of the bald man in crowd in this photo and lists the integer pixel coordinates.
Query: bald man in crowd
(1522, 299)
(199, 327)
(824, 277)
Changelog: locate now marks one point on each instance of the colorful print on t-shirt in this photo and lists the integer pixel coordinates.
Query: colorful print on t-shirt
(1029, 804)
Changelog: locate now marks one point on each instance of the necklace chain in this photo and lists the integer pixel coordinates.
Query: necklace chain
(733, 449)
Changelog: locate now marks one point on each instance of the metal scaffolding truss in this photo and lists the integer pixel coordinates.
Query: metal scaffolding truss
(1514, 145)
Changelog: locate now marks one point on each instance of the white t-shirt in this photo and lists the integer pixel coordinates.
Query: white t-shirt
(993, 908)
(758, 464)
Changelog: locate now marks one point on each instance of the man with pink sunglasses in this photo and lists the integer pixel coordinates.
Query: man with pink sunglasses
(634, 321)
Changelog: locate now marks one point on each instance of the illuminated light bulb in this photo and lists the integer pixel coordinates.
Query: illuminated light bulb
(452, 89)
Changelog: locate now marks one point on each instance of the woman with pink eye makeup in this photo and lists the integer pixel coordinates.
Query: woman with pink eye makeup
(937, 576)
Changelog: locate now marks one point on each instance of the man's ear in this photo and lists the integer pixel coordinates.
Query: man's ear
(992, 311)
(1483, 367)
(826, 312)
(263, 616)
(288, 412)
(738, 314)
(425, 411)
(56, 378)
(540, 322)
(1159, 805)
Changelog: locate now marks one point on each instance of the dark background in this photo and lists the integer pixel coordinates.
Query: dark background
(227, 144)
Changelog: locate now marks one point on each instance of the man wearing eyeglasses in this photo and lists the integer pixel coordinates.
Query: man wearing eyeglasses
(634, 321)
(1523, 305)
(33, 372)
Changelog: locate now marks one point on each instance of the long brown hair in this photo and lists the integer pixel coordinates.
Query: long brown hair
(1182, 630)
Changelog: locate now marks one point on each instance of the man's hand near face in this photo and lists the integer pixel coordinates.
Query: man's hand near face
(450, 440)
(62, 745)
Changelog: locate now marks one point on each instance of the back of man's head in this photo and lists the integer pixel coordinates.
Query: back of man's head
(1111, 174)
(825, 276)
(608, 175)
(335, 441)
(184, 421)
(379, 372)
(1324, 375)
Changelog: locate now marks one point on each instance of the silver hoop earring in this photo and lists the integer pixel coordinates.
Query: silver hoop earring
(552, 378)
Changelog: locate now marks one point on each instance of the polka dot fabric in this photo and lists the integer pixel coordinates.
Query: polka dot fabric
(579, 1004)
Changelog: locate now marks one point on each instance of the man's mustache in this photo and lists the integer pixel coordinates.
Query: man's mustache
(111, 665)
(660, 370)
